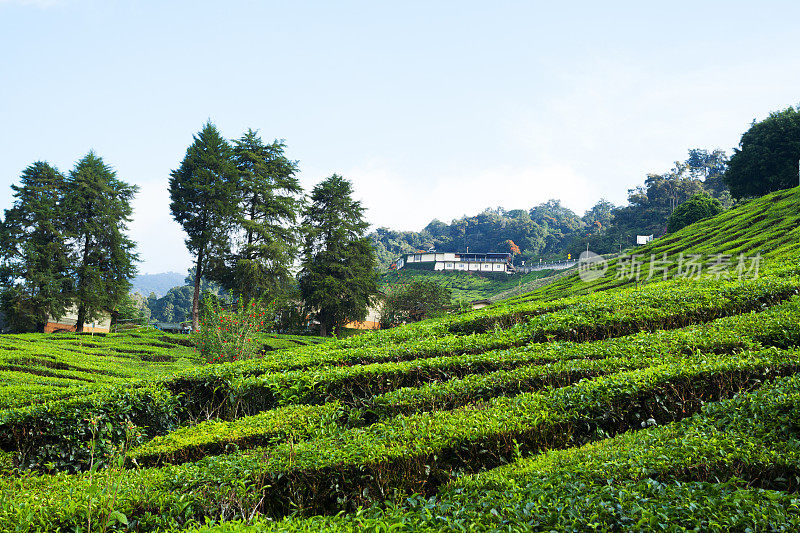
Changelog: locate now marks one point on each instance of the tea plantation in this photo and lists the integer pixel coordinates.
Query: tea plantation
(465, 286)
(36, 368)
(662, 404)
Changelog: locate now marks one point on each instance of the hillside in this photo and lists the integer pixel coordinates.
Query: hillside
(550, 230)
(159, 284)
(768, 226)
(464, 286)
(671, 404)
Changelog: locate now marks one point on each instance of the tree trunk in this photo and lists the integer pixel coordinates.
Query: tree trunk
(81, 283)
(250, 230)
(196, 297)
(81, 318)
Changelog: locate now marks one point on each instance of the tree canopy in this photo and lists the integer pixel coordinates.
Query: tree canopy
(266, 239)
(699, 207)
(767, 157)
(64, 244)
(415, 301)
(204, 200)
(98, 211)
(36, 257)
(338, 277)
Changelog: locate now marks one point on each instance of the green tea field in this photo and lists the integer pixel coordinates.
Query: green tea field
(36, 368)
(465, 287)
(618, 404)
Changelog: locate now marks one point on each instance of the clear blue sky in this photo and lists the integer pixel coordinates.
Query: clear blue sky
(432, 109)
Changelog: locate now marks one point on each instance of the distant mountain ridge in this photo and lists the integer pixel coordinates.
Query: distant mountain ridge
(159, 283)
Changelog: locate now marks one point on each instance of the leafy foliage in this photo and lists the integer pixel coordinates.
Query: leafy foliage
(175, 306)
(266, 224)
(99, 209)
(64, 244)
(204, 200)
(416, 301)
(231, 334)
(37, 259)
(337, 277)
(767, 157)
(698, 207)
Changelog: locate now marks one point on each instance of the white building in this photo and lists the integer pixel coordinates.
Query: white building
(465, 262)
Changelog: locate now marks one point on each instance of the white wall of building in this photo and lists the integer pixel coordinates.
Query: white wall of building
(448, 261)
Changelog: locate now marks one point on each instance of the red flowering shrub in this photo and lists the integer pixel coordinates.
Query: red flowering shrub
(231, 334)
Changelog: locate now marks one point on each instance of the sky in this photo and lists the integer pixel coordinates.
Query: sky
(432, 109)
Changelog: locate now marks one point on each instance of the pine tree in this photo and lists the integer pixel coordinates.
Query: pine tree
(204, 198)
(269, 207)
(338, 277)
(98, 210)
(36, 257)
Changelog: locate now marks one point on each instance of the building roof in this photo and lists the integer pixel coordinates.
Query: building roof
(494, 255)
(468, 255)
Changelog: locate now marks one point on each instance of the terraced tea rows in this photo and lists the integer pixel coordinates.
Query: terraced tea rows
(731, 467)
(357, 422)
(36, 368)
(768, 227)
(664, 405)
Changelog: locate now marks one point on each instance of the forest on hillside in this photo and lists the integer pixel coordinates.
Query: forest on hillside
(551, 231)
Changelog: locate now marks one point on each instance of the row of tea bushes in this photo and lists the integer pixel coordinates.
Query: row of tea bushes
(699, 474)
(408, 453)
(415, 453)
(40, 441)
(561, 505)
(58, 435)
(36, 368)
(293, 422)
(236, 396)
(298, 422)
(594, 317)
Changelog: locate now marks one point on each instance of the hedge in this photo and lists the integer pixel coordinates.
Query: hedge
(409, 453)
(63, 445)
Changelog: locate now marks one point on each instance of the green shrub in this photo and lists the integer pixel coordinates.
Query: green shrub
(63, 435)
(698, 207)
(415, 301)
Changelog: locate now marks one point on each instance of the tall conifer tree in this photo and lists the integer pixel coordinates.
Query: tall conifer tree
(98, 210)
(204, 198)
(338, 278)
(36, 258)
(266, 223)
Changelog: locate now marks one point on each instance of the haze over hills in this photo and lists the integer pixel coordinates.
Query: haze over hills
(159, 283)
(551, 230)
